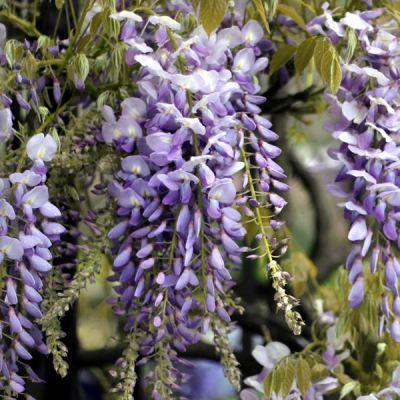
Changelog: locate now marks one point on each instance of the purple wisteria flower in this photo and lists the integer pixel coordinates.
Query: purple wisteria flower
(366, 118)
(27, 233)
(188, 134)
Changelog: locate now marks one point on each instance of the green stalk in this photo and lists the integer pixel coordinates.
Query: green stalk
(257, 210)
(20, 23)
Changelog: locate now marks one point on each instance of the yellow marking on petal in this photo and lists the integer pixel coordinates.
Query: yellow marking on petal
(134, 202)
(239, 65)
(132, 132)
(41, 152)
(117, 133)
(136, 170)
(135, 114)
(217, 195)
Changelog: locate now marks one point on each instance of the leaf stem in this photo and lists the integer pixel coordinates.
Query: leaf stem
(20, 23)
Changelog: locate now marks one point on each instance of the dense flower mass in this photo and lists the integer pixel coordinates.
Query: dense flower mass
(27, 233)
(156, 121)
(192, 136)
(366, 114)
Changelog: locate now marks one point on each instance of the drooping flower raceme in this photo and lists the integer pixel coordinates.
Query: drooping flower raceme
(27, 232)
(366, 122)
(191, 136)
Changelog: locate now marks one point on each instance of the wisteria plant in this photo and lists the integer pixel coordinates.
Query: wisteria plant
(143, 144)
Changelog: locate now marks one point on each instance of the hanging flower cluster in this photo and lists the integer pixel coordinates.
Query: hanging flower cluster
(27, 232)
(199, 155)
(366, 114)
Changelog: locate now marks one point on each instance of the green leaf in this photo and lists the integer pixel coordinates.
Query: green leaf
(269, 383)
(331, 70)
(352, 42)
(29, 65)
(73, 194)
(96, 22)
(322, 46)
(278, 378)
(288, 378)
(348, 388)
(291, 12)
(281, 57)
(328, 64)
(304, 54)
(303, 374)
(306, 5)
(319, 372)
(212, 12)
(43, 42)
(272, 7)
(82, 65)
(259, 5)
(83, 42)
(195, 4)
(53, 132)
(13, 51)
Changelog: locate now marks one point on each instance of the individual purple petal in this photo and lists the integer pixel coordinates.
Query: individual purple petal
(49, 210)
(11, 247)
(118, 230)
(356, 295)
(52, 228)
(252, 32)
(216, 259)
(374, 258)
(183, 280)
(223, 191)
(15, 323)
(389, 229)
(39, 264)
(135, 165)
(183, 219)
(358, 230)
(36, 197)
(6, 210)
(21, 351)
(27, 177)
(26, 276)
(123, 257)
(395, 330)
(11, 292)
(32, 295)
(17, 387)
